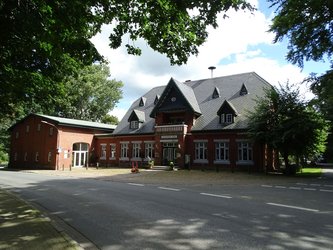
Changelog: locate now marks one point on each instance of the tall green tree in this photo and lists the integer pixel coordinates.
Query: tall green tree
(308, 26)
(90, 94)
(42, 41)
(285, 122)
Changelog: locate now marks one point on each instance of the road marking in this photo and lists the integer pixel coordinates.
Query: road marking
(267, 186)
(313, 184)
(294, 207)
(135, 184)
(217, 195)
(170, 189)
(310, 189)
(296, 188)
(326, 190)
(280, 187)
(328, 185)
(299, 183)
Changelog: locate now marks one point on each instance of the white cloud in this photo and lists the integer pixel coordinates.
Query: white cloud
(238, 40)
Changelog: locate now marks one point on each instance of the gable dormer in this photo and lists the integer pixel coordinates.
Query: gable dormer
(142, 101)
(243, 90)
(136, 119)
(227, 113)
(216, 93)
(177, 97)
(156, 99)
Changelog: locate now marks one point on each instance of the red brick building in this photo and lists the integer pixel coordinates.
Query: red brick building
(40, 141)
(198, 124)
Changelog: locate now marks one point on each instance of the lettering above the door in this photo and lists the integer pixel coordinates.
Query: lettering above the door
(169, 137)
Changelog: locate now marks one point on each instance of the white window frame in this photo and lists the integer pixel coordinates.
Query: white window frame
(228, 118)
(200, 151)
(37, 157)
(222, 118)
(222, 146)
(124, 151)
(136, 149)
(244, 152)
(113, 150)
(134, 124)
(103, 151)
(149, 150)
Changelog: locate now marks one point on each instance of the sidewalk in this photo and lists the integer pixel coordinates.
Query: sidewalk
(24, 227)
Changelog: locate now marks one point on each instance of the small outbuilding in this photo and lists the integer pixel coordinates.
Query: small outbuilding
(49, 142)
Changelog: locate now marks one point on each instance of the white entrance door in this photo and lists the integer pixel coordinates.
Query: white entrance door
(80, 153)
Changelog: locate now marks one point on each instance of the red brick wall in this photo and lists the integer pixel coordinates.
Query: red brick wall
(43, 143)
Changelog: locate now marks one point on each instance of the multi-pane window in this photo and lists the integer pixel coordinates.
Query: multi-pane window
(221, 151)
(49, 155)
(134, 124)
(112, 151)
(226, 118)
(201, 150)
(103, 151)
(136, 150)
(37, 156)
(124, 150)
(149, 150)
(244, 151)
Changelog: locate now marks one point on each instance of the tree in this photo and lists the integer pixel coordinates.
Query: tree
(285, 122)
(89, 94)
(43, 41)
(308, 27)
(110, 119)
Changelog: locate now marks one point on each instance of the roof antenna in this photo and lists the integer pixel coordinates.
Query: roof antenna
(211, 68)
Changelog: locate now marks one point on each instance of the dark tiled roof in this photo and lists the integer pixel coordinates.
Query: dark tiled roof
(199, 95)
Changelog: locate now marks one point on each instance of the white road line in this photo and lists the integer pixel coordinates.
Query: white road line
(328, 185)
(296, 188)
(299, 183)
(315, 185)
(170, 189)
(294, 207)
(280, 187)
(310, 189)
(217, 195)
(326, 190)
(135, 184)
(267, 186)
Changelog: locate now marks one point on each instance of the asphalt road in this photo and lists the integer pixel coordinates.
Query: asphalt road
(115, 215)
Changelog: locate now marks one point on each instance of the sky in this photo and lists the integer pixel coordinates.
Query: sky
(240, 44)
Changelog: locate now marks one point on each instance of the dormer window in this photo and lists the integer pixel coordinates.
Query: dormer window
(134, 124)
(157, 98)
(216, 93)
(226, 118)
(243, 90)
(227, 113)
(142, 101)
